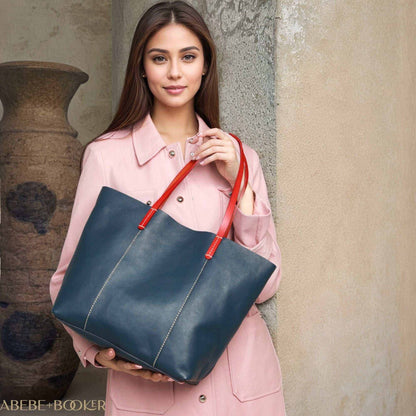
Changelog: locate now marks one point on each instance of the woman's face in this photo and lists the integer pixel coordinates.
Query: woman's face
(166, 63)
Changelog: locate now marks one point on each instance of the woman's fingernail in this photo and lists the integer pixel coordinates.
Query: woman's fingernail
(138, 366)
(181, 382)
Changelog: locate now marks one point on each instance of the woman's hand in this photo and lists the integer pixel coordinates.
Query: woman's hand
(106, 357)
(220, 150)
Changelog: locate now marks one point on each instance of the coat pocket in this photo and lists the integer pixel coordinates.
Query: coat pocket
(136, 394)
(253, 363)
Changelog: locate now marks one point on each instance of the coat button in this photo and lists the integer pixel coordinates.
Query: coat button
(202, 398)
(149, 202)
(179, 198)
(192, 154)
(171, 153)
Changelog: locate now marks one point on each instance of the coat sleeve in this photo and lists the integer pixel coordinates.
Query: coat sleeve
(257, 232)
(91, 180)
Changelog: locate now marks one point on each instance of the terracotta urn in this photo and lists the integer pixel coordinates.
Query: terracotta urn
(39, 162)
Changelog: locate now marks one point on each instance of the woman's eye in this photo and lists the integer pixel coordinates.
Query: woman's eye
(186, 57)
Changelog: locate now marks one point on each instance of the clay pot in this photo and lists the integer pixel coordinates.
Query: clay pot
(39, 164)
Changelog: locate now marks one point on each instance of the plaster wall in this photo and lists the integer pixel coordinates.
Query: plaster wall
(346, 198)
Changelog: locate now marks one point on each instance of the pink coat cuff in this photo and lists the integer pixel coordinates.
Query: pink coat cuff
(85, 349)
(250, 230)
(89, 356)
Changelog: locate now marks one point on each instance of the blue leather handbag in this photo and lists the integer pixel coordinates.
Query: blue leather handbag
(163, 295)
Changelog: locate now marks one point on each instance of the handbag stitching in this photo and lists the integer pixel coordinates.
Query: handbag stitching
(179, 312)
(109, 276)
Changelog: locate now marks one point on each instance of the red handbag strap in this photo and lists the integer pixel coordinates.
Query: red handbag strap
(231, 208)
(232, 204)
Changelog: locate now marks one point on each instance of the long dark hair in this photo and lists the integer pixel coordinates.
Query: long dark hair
(136, 98)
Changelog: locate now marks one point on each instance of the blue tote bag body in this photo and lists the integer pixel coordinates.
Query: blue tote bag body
(163, 295)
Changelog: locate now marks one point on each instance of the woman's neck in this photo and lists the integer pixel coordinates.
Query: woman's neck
(175, 125)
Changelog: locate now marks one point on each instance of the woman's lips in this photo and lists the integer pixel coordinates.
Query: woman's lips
(174, 91)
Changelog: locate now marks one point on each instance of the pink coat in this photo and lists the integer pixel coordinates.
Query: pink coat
(247, 380)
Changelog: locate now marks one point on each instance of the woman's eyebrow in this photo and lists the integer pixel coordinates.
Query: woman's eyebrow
(188, 48)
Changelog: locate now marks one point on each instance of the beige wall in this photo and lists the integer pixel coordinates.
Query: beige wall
(346, 179)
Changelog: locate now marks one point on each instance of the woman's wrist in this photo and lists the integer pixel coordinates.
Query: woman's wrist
(246, 204)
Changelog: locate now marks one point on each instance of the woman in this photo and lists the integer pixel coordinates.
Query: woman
(169, 114)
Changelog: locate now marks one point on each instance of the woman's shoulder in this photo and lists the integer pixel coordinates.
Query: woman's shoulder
(115, 134)
(110, 140)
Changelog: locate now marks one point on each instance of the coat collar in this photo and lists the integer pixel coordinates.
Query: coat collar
(148, 142)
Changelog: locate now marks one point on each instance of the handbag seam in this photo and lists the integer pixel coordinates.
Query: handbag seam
(179, 312)
(109, 277)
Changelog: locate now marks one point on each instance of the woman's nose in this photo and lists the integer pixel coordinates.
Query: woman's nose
(174, 70)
